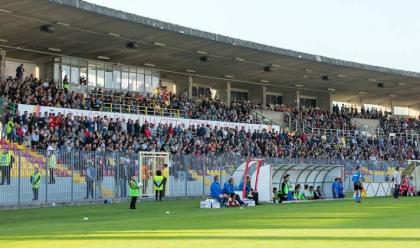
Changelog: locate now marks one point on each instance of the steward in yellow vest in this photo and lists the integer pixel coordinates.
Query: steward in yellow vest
(158, 182)
(35, 181)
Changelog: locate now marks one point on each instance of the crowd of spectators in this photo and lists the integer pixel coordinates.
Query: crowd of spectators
(108, 134)
(40, 92)
(397, 124)
(338, 118)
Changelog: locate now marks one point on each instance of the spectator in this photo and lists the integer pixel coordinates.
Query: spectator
(19, 72)
(90, 179)
(66, 84)
(397, 182)
(52, 164)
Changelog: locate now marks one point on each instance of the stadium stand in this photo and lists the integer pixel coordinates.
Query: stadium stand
(107, 134)
(35, 91)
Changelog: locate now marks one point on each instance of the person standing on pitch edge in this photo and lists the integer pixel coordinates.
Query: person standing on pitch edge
(165, 174)
(357, 181)
(158, 185)
(134, 192)
(35, 181)
(397, 182)
(6, 162)
(52, 163)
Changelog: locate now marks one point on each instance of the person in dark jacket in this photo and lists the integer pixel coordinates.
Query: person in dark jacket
(250, 193)
(19, 72)
(229, 190)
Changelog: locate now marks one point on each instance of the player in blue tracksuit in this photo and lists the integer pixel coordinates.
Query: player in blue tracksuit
(229, 190)
(357, 182)
(335, 189)
(216, 191)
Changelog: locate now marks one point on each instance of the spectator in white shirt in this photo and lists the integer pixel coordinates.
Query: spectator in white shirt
(397, 182)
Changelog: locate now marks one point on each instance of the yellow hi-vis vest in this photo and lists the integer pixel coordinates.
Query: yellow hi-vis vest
(5, 159)
(134, 188)
(36, 180)
(158, 182)
(52, 162)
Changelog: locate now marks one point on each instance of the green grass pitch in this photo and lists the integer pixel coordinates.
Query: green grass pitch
(380, 222)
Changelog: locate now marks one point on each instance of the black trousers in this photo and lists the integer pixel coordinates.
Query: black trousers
(396, 191)
(5, 174)
(52, 178)
(255, 198)
(89, 189)
(237, 198)
(35, 193)
(158, 195)
(133, 202)
(164, 187)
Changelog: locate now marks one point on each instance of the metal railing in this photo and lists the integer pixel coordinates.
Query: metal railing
(142, 110)
(86, 176)
(263, 119)
(134, 108)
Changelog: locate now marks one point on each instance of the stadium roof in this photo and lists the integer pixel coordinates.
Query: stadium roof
(86, 30)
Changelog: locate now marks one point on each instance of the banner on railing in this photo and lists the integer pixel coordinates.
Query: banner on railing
(143, 118)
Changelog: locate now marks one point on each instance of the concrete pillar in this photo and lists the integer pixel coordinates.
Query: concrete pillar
(330, 102)
(264, 95)
(2, 64)
(392, 106)
(190, 85)
(228, 97)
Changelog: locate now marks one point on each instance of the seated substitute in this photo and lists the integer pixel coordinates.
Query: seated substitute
(250, 193)
(277, 197)
(228, 189)
(309, 195)
(318, 193)
(298, 194)
(216, 192)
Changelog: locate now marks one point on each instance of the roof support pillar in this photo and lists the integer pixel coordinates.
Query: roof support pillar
(297, 99)
(190, 85)
(2, 64)
(392, 106)
(264, 96)
(228, 96)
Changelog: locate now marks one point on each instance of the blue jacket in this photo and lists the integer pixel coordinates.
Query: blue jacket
(335, 189)
(215, 190)
(248, 187)
(340, 188)
(357, 176)
(228, 188)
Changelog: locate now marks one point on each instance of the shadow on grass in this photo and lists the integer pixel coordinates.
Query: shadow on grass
(210, 237)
